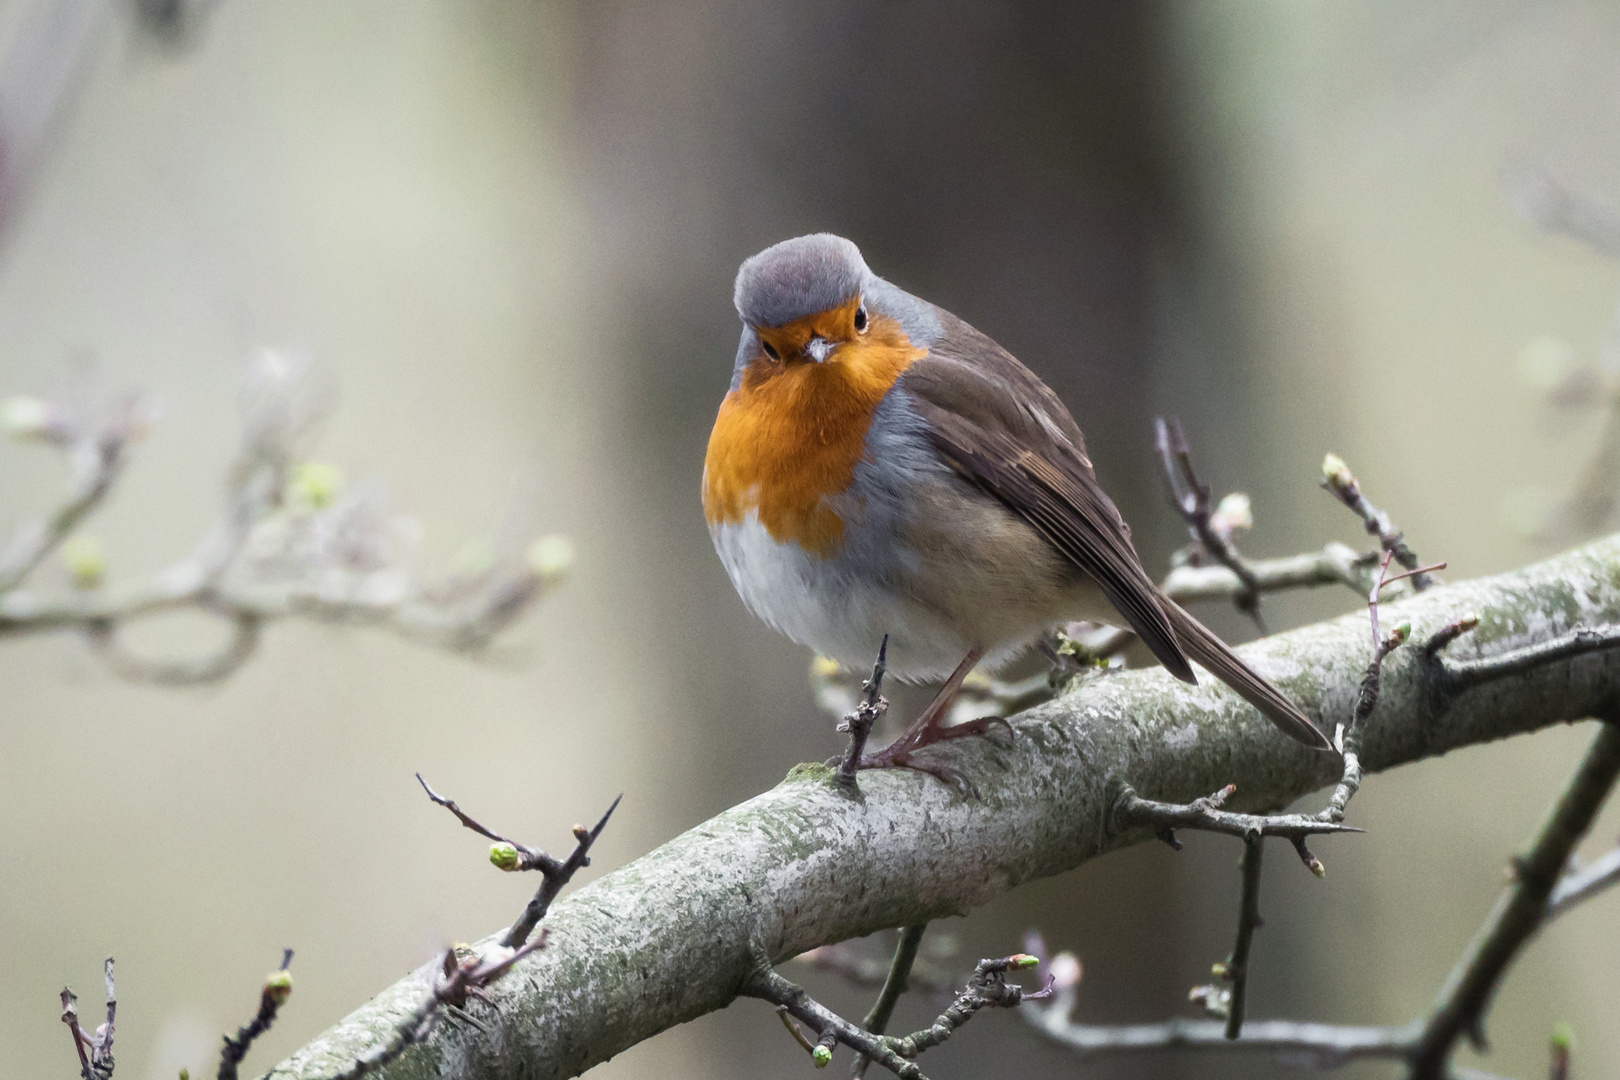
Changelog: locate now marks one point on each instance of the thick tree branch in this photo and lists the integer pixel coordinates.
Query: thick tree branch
(675, 934)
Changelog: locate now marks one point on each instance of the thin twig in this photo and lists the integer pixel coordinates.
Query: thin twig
(462, 974)
(1347, 737)
(859, 721)
(1578, 886)
(1464, 674)
(1341, 484)
(95, 1051)
(1460, 1007)
(867, 972)
(1133, 811)
(522, 857)
(1320, 1045)
(104, 457)
(1237, 965)
(895, 984)
(987, 988)
(1191, 500)
(276, 989)
(331, 559)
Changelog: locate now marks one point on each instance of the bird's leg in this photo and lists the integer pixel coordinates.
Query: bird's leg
(930, 728)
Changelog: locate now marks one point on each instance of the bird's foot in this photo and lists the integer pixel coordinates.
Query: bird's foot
(899, 754)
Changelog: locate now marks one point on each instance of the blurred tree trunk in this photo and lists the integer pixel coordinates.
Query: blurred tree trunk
(996, 159)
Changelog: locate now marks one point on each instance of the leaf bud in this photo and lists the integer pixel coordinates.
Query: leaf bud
(25, 418)
(278, 986)
(505, 856)
(85, 560)
(315, 485)
(1336, 473)
(550, 556)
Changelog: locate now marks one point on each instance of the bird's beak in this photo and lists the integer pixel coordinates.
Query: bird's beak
(818, 349)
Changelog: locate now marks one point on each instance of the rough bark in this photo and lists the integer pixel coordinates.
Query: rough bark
(667, 938)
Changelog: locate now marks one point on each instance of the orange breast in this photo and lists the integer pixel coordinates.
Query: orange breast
(792, 433)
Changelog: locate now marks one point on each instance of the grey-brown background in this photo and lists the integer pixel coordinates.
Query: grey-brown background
(509, 230)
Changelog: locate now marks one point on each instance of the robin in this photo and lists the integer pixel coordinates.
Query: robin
(881, 468)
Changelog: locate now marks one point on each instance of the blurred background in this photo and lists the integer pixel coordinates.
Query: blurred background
(508, 231)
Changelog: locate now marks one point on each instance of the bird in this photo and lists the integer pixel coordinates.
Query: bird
(882, 475)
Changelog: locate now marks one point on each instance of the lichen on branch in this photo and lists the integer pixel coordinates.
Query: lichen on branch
(676, 934)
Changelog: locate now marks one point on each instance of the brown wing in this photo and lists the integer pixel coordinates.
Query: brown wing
(1003, 429)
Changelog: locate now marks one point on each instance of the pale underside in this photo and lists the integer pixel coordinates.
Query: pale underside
(945, 570)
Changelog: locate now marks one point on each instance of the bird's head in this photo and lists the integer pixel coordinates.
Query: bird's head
(801, 300)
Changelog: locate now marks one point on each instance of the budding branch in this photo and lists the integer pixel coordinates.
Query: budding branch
(680, 932)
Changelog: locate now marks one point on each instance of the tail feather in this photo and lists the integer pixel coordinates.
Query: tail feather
(1213, 653)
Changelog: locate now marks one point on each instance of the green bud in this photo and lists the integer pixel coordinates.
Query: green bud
(1563, 1037)
(821, 1056)
(1336, 472)
(1019, 961)
(85, 560)
(1401, 632)
(24, 417)
(314, 485)
(278, 986)
(550, 556)
(504, 856)
(1218, 970)
(185, 1074)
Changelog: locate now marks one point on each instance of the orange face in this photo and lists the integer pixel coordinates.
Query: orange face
(792, 432)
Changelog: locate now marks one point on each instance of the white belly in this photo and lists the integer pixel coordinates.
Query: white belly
(840, 613)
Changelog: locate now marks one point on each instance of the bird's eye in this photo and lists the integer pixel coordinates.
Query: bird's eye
(770, 351)
(860, 319)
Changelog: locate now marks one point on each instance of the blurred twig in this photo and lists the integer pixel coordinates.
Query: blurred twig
(290, 541)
